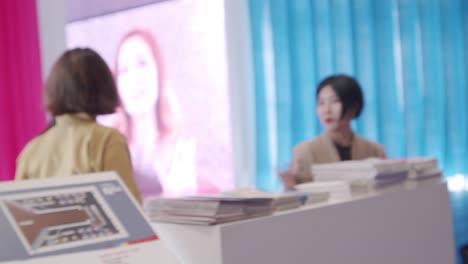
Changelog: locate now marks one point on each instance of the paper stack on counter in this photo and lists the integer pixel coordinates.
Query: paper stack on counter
(207, 210)
(282, 200)
(364, 175)
(332, 191)
(423, 168)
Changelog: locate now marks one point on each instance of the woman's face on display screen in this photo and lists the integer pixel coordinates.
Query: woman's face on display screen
(329, 109)
(137, 76)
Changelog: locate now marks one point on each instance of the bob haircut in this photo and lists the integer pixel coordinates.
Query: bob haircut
(348, 91)
(80, 81)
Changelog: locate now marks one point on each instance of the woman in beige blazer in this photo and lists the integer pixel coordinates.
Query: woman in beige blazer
(339, 100)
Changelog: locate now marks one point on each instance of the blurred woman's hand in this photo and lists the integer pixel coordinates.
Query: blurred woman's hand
(288, 178)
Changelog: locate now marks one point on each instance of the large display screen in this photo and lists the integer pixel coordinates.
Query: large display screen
(169, 63)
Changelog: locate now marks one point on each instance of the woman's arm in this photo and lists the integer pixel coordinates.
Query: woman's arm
(380, 151)
(117, 158)
(20, 173)
(23, 162)
(300, 170)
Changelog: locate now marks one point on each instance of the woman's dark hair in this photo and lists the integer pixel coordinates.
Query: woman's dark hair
(80, 81)
(348, 91)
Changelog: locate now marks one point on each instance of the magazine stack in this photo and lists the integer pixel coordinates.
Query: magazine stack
(207, 210)
(373, 172)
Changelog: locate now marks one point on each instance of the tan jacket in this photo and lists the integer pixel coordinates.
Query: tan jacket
(76, 144)
(322, 150)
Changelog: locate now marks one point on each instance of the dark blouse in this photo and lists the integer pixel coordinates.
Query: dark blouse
(343, 152)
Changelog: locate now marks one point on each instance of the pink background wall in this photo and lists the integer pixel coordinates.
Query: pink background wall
(21, 114)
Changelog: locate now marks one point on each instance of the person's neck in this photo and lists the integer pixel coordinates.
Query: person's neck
(144, 129)
(343, 136)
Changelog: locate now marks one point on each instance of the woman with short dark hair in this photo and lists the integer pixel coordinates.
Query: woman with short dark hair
(79, 87)
(339, 100)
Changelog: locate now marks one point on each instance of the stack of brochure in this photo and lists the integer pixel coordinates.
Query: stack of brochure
(370, 172)
(334, 191)
(423, 168)
(207, 210)
(282, 200)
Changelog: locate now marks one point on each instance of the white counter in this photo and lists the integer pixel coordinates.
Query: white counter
(407, 224)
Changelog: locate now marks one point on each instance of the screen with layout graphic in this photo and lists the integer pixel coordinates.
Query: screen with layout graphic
(69, 215)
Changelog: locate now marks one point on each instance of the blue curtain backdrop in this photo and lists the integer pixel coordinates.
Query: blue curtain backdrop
(410, 57)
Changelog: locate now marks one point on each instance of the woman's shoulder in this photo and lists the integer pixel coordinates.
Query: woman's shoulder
(33, 146)
(375, 148)
(317, 147)
(107, 133)
(369, 143)
(314, 142)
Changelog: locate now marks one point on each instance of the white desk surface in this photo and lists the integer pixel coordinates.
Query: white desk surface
(402, 224)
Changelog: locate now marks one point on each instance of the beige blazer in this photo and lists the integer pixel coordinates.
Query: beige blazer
(322, 150)
(76, 144)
